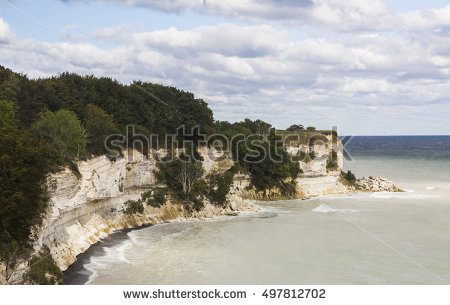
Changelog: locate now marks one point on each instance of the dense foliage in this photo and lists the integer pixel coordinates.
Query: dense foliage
(63, 133)
(153, 108)
(23, 166)
(183, 176)
(99, 125)
(219, 185)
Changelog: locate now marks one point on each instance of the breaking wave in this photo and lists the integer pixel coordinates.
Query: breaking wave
(323, 208)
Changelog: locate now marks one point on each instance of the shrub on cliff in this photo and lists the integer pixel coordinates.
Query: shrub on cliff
(181, 175)
(332, 162)
(219, 185)
(42, 269)
(133, 207)
(272, 170)
(350, 177)
(156, 199)
(295, 127)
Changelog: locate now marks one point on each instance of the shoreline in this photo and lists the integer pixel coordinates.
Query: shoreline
(77, 274)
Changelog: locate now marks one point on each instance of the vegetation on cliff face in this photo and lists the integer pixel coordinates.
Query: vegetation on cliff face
(155, 198)
(332, 162)
(42, 270)
(132, 207)
(183, 176)
(219, 185)
(348, 179)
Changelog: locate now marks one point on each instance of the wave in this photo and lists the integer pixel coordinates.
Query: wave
(114, 254)
(266, 215)
(323, 208)
(405, 195)
(408, 194)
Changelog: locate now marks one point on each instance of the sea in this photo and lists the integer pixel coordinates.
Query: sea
(362, 238)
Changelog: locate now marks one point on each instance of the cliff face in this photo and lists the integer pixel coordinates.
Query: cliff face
(315, 178)
(84, 210)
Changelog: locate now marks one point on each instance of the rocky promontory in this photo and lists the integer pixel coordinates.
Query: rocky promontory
(376, 184)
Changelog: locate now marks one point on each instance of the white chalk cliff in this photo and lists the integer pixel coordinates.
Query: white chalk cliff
(81, 211)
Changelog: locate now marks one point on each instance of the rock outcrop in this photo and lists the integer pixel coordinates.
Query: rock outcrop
(376, 184)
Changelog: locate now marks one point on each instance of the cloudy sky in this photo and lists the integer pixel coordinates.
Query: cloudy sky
(371, 67)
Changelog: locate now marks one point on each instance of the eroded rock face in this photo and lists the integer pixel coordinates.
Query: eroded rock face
(376, 184)
(321, 185)
(83, 211)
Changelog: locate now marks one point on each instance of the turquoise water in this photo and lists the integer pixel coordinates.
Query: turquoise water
(380, 238)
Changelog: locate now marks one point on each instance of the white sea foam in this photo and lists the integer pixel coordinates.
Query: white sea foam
(341, 196)
(94, 273)
(323, 208)
(114, 254)
(405, 195)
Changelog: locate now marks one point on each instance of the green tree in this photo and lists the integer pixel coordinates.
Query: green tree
(99, 125)
(181, 175)
(22, 193)
(219, 185)
(295, 127)
(271, 166)
(63, 132)
(350, 177)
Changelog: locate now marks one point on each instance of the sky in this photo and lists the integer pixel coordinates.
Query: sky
(369, 67)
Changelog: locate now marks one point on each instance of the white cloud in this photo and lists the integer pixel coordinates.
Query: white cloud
(5, 31)
(263, 72)
(350, 15)
(114, 34)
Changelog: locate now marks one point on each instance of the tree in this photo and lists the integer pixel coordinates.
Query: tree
(187, 174)
(63, 132)
(272, 167)
(350, 177)
(296, 127)
(219, 185)
(180, 175)
(99, 125)
(22, 192)
(311, 128)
